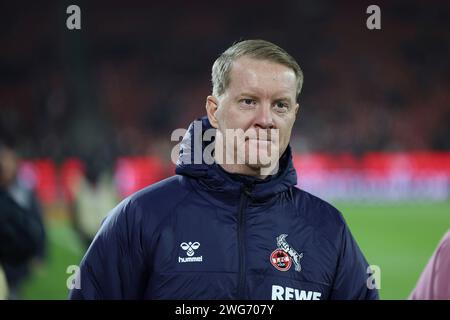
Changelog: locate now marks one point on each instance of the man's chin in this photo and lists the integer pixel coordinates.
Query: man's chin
(258, 166)
(263, 160)
(263, 169)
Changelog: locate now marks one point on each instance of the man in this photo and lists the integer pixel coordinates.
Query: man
(22, 233)
(229, 229)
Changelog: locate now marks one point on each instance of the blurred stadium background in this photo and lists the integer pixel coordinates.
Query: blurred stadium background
(373, 135)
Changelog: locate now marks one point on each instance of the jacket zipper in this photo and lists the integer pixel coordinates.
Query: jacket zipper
(241, 240)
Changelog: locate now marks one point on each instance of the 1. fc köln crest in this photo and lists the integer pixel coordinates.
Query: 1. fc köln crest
(283, 257)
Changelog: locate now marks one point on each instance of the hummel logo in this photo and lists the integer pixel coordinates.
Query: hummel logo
(190, 247)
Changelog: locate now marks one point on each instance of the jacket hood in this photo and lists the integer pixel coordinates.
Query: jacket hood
(213, 177)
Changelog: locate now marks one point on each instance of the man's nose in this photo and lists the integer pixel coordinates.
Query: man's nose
(264, 117)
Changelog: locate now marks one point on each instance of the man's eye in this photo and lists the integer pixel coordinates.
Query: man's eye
(282, 106)
(248, 102)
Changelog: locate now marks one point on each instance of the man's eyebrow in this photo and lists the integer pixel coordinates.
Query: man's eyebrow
(248, 94)
(286, 99)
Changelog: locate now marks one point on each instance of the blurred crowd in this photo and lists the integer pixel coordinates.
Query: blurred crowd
(137, 71)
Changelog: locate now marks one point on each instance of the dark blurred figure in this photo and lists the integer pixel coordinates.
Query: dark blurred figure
(94, 196)
(22, 233)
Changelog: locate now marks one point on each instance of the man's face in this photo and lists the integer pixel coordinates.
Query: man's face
(261, 96)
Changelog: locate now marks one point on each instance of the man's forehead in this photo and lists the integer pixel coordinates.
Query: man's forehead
(257, 74)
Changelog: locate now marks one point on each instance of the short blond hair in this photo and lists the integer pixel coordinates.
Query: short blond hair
(257, 49)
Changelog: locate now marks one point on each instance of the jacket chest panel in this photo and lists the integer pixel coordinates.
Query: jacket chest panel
(198, 251)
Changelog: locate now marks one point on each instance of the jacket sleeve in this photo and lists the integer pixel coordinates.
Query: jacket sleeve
(351, 280)
(114, 265)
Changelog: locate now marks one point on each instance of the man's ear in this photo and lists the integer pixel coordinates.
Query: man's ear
(297, 107)
(212, 105)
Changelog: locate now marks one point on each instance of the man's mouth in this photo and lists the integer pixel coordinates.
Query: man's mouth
(257, 139)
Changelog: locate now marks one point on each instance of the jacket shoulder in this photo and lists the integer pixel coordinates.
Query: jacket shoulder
(144, 210)
(326, 219)
(166, 193)
(317, 209)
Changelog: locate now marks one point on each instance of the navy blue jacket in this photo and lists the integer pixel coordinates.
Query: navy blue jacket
(207, 234)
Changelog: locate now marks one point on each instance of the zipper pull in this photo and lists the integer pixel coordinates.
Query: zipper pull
(247, 189)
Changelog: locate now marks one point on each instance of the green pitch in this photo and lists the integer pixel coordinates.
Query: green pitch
(399, 238)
